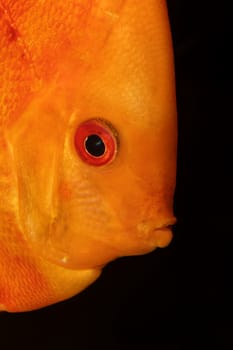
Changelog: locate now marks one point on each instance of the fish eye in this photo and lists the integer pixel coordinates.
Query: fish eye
(96, 142)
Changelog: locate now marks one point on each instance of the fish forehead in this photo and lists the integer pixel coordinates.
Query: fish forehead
(36, 39)
(45, 40)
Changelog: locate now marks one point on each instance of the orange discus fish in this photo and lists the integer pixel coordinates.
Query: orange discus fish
(88, 142)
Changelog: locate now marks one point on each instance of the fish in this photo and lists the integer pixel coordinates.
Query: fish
(88, 135)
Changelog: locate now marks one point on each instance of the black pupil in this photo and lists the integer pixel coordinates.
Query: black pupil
(95, 145)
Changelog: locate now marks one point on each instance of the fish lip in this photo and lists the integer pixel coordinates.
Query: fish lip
(162, 235)
(153, 234)
(168, 225)
(152, 227)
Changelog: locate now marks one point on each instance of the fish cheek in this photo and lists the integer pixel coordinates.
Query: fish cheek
(77, 235)
(78, 231)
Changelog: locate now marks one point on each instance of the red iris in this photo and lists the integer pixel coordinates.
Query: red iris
(95, 142)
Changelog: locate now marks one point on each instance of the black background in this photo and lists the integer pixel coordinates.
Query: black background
(178, 297)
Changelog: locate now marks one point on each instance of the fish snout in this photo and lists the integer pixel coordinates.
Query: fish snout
(156, 235)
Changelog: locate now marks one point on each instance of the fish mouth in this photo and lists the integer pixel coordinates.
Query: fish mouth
(162, 236)
(156, 235)
(168, 224)
(142, 239)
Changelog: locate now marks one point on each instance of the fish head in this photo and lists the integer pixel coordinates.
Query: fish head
(94, 151)
(82, 210)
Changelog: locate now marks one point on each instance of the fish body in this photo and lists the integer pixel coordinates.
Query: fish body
(88, 142)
